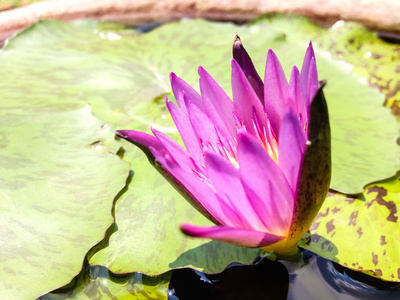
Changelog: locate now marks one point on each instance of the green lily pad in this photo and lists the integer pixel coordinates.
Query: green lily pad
(57, 187)
(361, 233)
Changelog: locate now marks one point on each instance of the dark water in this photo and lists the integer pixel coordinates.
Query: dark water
(315, 278)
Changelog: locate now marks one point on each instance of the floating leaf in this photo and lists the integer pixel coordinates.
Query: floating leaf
(57, 184)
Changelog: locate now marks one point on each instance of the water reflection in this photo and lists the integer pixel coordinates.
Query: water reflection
(314, 278)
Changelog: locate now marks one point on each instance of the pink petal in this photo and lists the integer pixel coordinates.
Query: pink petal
(275, 88)
(312, 85)
(201, 123)
(189, 136)
(309, 75)
(305, 69)
(295, 96)
(235, 236)
(142, 138)
(265, 185)
(292, 144)
(243, 59)
(217, 105)
(199, 190)
(180, 87)
(226, 181)
(180, 155)
(245, 99)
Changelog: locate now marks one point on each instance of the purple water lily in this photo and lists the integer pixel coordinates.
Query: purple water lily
(258, 166)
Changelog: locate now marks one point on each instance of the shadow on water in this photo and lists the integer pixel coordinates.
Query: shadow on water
(315, 278)
(263, 280)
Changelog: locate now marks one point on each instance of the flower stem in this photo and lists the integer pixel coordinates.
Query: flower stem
(294, 255)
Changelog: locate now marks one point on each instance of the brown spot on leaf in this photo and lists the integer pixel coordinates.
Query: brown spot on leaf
(330, 226)
(353, 218)
(350, 200)
(314, 226)
(394, 90)
(398, 273)
(390, 205)
(315, 238)
(375, 258)
(376, 56)
(328, 246)
(320, 214)
(335, 210)
(384, 252)
(395, 107)
(383, 241)
(359, 231)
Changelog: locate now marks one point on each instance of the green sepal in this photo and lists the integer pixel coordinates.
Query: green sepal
(315, 170)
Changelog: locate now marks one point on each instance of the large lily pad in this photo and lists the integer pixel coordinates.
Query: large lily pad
(57, 189)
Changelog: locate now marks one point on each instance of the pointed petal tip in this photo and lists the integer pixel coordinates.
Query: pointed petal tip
(122, 133)
(172, 76)
(271, 53)
(234, 64)
(237, 44)
(154, 131)
(201, 70)
(295, 71)
(311, 50)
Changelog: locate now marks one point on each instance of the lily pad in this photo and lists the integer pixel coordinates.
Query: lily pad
(361, 233)
(58, 183)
